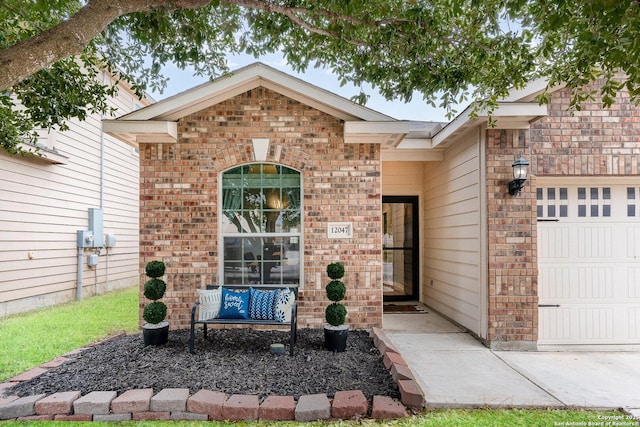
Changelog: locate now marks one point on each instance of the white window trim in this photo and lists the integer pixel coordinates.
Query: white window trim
(221, 236)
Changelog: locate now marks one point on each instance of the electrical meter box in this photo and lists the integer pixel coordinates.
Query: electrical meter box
(109, 241)
(85, 239)
(92, 260)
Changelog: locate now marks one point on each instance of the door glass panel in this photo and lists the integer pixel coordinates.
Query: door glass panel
(399, 255)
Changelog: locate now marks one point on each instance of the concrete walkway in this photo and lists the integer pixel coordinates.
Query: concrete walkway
(455, 370)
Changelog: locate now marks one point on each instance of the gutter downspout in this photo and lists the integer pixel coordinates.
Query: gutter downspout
(102, 142)
(79, 278)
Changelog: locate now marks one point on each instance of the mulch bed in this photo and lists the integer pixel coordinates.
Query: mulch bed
(232, 361)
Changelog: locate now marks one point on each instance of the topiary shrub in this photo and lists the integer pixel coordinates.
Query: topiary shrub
(154, 312)
(336, 313)
(154, 289)
(336, 290)
(155, 269)
(335, 270)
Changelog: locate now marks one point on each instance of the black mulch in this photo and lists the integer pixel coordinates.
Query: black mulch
(232, 361)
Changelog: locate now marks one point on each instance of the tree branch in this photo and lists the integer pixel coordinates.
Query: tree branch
(73, 35)
(70, 37)
(293, 14)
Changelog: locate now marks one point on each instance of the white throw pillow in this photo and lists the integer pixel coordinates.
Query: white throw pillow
(284, 303)
(210, 301)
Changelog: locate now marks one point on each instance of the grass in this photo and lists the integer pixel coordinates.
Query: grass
(33, 338)
(439, 418)
(30, 339)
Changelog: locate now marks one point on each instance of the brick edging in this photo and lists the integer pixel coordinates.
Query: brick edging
(177, 404)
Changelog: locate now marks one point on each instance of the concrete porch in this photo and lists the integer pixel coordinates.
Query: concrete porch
(455, 370)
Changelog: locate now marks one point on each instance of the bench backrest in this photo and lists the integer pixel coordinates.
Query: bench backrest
(293, 289)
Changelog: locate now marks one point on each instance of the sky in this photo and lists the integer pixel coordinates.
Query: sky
(417, 109)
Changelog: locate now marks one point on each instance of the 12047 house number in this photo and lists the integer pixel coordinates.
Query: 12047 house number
(340, 230)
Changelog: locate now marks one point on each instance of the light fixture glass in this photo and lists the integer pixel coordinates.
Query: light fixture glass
(520, 169)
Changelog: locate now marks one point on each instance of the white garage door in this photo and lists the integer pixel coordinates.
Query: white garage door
(589, 264)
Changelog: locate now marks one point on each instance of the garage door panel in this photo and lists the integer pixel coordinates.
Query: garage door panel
(555, 243)
(634, 322)
(633, 242)
(589, 266)
(555, 324)
(594, 282)
(557, 286)
(594, 242)
(633, 282)
(595, 323)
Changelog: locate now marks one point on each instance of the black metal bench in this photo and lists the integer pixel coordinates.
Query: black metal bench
(216, 321)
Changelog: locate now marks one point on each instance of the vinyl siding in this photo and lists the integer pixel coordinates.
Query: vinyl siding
(42, 206)
(402, 178)
(451, 252)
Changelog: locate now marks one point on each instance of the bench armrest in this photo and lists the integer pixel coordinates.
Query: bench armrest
(193, 311)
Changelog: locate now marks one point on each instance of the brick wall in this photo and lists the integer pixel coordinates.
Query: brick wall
(595, 141)
(179, 201)
(513, 287)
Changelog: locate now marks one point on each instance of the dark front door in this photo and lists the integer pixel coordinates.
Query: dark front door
(400, 247)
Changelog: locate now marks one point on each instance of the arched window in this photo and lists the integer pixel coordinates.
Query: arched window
(261, 233)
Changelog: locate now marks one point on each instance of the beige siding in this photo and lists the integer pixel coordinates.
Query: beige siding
(42, 206)
(402, 178)
(451, 252)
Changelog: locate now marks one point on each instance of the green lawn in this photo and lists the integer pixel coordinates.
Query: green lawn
(31, 339)
(440, 418)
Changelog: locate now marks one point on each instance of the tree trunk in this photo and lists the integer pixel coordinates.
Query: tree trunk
(70, 37)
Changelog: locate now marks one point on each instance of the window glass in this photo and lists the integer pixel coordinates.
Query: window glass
(551, 193)
(581, 193)
(261, 225)
(563, 193)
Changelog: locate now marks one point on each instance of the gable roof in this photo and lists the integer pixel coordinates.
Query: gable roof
(399, 139)
(251, 77)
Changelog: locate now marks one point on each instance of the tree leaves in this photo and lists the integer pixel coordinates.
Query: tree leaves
(449, 51)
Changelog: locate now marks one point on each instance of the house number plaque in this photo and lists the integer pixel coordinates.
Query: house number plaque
(340, 230)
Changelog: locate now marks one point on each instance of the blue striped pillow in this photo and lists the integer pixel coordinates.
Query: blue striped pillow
(262, 304)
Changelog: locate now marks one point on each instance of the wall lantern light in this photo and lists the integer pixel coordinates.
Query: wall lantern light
(520, 168)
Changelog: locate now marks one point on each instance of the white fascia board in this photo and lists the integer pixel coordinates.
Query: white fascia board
(321, 99)
(398, 126)
(521, 109)
(462, 121)
(43, 154)
(133, 131)
(527, 93)
(531, 91)
(245, 79)
(508, 115)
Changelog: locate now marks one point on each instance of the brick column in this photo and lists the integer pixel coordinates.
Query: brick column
(512, 258)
